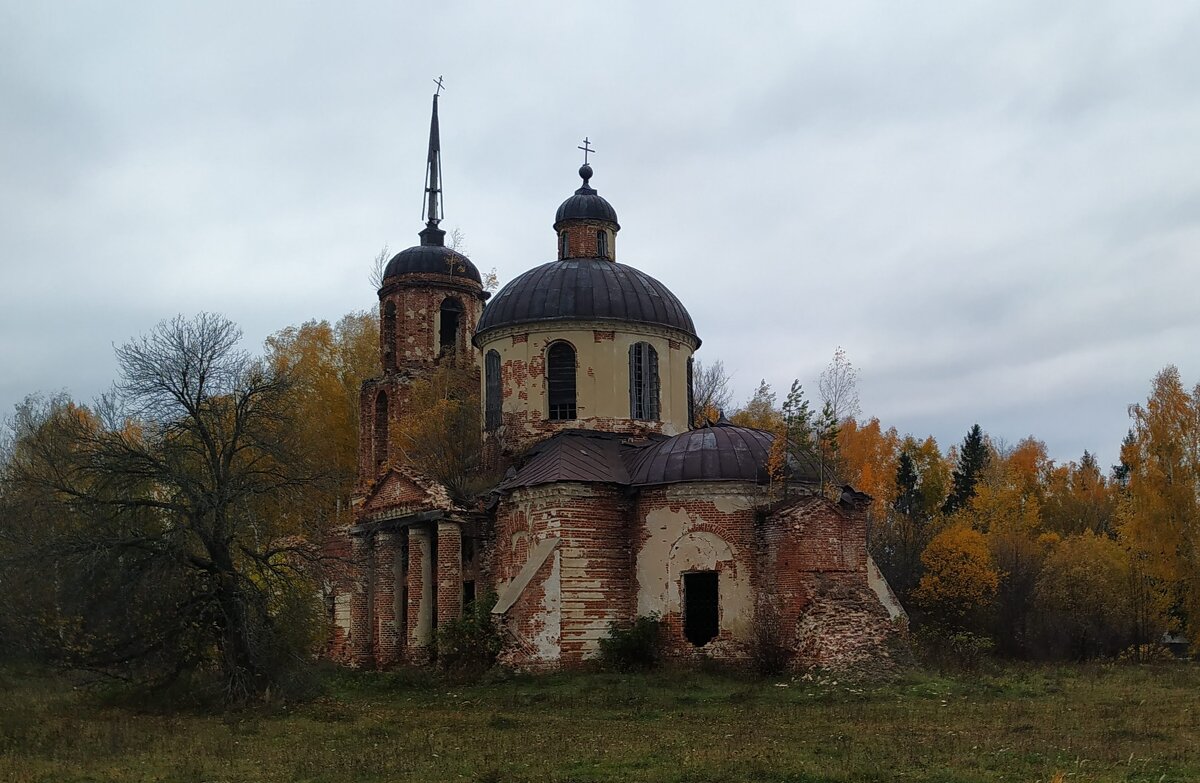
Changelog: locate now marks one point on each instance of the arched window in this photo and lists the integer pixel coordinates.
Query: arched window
(562, 244)
(691, 394)
(560, 381)
(643, 382)
(451, 313)
(491, 391)
(602, 244)
(389, 336)
(381, 428)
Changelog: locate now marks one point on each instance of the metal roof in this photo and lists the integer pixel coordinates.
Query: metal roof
(586, 204)
(585, 289)
(572, 456)
(431, 259)
(721, 452)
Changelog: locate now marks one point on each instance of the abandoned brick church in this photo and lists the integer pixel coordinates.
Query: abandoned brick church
(614, 505)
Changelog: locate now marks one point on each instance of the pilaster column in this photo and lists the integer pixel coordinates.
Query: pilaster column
(420, 592)
(361, 642)
(449, 571)
(387, 642)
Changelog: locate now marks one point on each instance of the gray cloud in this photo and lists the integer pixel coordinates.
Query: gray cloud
(991, 206)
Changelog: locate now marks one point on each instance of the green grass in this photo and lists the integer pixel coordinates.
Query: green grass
(1090, 723)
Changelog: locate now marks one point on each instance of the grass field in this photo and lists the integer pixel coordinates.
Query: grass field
(1082, 723)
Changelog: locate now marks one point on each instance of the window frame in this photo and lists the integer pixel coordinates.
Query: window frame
(572, 407)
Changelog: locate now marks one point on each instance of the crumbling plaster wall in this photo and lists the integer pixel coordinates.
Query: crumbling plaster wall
(584, 585)
(706, 526)
(602, 379)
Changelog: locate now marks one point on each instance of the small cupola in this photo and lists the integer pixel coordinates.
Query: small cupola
(586, 224)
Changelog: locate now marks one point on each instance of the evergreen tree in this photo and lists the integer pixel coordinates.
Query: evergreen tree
(908, 497)
(972, 459)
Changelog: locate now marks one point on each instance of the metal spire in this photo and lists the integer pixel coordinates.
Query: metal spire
(434, 208)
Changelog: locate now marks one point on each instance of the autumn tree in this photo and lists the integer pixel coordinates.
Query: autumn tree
(960, 580)
(711, 395)
(1160, 511)
(178, 549)
(760, 411)
(972, 458)
(327, 365)
(1078, 498)
(439, 432)
(1082, 598)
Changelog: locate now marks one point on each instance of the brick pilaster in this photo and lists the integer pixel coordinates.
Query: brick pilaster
(421, 608)
(361, 609)
(449, 571)
(387, 641)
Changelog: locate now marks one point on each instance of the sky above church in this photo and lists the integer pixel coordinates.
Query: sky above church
(994, 208)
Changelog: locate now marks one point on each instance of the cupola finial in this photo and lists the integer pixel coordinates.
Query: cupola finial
(434, 207)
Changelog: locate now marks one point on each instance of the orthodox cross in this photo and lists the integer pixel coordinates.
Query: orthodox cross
(438, 82)
(586, 149)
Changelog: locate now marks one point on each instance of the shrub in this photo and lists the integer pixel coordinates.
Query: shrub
(954, 650)
(632, 645)
(768, 653)
(471, 643)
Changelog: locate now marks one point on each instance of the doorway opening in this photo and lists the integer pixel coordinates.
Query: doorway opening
(701, 615)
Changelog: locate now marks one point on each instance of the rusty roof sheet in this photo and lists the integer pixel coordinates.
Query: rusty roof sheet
(572, 456)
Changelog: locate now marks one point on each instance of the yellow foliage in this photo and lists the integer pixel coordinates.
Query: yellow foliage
(960, 578)
(1160, 513)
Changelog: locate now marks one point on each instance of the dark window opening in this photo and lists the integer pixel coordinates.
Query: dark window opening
(448, 332)
(560, 381)
(381, 428)
(468, 549)
(468, 593)
(562, 245)
(701, 616)
(493, 403)
(602, 244)
(643, 382)
(691, 395)
(389, 336)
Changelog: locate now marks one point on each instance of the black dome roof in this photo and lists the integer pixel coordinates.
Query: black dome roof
(585, 289)
(586, 204)
(718, 452)
(431, 259)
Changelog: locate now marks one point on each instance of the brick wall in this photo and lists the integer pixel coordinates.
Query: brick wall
(586, 582)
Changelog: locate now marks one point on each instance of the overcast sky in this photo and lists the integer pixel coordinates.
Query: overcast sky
(993, 207)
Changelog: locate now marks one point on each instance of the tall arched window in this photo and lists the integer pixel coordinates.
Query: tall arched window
(389, 336)
(643, 382)
(560, 381)
(691, 394)
(562, 244)
(451, 314)
(602, 244)
(491, 391)
(381, 428)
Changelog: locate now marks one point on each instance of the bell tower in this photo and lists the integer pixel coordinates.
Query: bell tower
(430, 300)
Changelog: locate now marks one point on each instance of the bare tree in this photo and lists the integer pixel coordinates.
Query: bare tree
(710, 391)
(183, 499)
(839, 387)
(375, 276)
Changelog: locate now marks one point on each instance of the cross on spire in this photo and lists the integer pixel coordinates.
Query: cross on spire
(440, 86)
(586, 150)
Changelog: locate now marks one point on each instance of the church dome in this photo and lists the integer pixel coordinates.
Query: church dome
(431, 259)
(718, 452)
(586, 204)
(585, 289)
